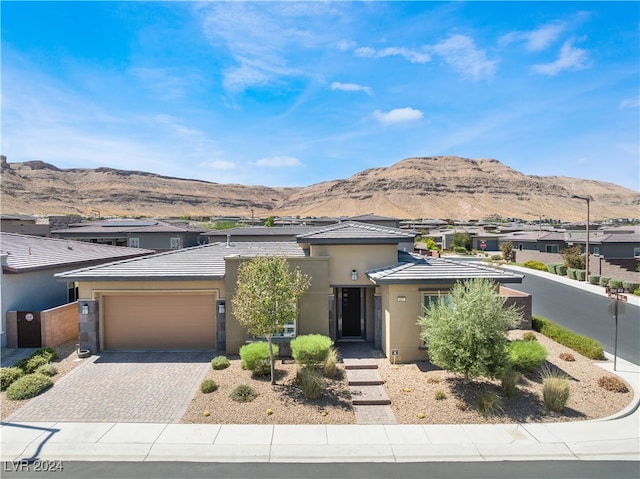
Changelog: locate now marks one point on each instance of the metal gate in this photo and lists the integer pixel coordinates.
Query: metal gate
(29, 333)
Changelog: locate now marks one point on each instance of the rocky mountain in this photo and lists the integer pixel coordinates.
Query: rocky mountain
(429, 187)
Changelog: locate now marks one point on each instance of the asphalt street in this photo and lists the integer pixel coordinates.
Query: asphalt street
(585, 313)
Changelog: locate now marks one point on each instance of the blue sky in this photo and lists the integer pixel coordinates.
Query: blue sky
(294, 93)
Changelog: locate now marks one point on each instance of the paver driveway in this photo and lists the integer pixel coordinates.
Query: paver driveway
(122, 387)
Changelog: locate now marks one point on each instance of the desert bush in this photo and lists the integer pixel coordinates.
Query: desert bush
(330, 364)
(208, 386)
(47, 352)
(28, 386)
(489, 404)
(34, 363)
(615, 283)
(584, 345)
(440, 395)
(460, 249)
(571, 273)
(529, 336)
(573, 257)
(555, 389)
(604, 281)
(311, 382)
(525, 356)
(507, 251)
(220, 362)
(255, 357)
(551, 268)
(612, 383)
(9, 376)
(561, 270)
(461, 405)
(433, 379)
(636, 292)
(536, 265)
(581, 274)
(630, 285)
(594, 279)
(243, 393)
(47, 369)
(496, 257)
(567, 357)
(509, 381)
(310, 350)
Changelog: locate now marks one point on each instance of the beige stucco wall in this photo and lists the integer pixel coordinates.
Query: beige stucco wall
(314, 314)
(345, 258)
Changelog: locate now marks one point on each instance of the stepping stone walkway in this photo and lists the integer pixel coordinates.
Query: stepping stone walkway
(369, 398)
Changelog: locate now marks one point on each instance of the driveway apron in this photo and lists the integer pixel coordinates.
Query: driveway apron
(148, 386)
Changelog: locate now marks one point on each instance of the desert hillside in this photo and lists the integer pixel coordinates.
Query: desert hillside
(429, 187)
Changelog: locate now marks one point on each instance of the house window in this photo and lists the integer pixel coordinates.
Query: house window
(551, 248)
(134, 242)
(289, 331)
(72, 292)
(596, 250)
(176, 243)
(636, 252)
(432, 297)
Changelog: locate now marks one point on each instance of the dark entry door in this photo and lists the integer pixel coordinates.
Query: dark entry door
(29, 335)
(351, 312)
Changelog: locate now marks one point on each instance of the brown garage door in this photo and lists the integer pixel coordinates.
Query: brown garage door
(159, 322)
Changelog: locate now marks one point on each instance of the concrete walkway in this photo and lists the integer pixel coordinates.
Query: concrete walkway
(614, 438)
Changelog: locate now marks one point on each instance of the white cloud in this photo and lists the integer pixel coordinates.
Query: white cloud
(398, 115)
(345, 45)
(412, 56)
(220, 165)
(570, 59)
(630, 103)
(535, 40)
(278, 162)
(460, 52)
(350, 87)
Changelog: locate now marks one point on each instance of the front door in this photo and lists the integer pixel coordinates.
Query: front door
(350, 313)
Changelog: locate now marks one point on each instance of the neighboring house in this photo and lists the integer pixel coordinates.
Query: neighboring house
(23, 224)
(143, 233)
(30, 262)
(363, 288)
(376, 220)
(541, 241)
(257, 233)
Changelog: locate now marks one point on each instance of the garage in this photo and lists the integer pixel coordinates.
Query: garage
(159, 322)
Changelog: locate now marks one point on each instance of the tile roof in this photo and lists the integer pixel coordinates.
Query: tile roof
(198, 263)
(127, 226)
(27, 253)
(352, 232)
(417, 269)
(263, 231)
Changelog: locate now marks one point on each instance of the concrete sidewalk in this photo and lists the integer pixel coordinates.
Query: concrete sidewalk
(614, 438)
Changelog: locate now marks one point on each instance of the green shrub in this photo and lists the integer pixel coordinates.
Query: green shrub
(220, 362)
(630, 285)
(47, 369)
(460, 249)
(208, 386)
(561, 270)
(28, 386)
(615, 283)
(331, 364)
(34, 363)
(555, 389)
(571, 273)
(594, 279)
(535, 265)
(588, 347)
(9, 376)
(496, 257)
(46, 352)
(310, 350)
(489, 404)
(509, 381)
(525, 356)
(529, 336)
(311, 383)
(604, 281)
(581, 274)
(255, 357)
(637, 292)
(243, 393)
(551, 267)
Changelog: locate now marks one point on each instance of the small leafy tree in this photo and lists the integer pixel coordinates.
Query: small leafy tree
(269, 222)
(267, 296)
(573, 257)
(507, 251)
(461, 240)
(431, 244)
(467, 334)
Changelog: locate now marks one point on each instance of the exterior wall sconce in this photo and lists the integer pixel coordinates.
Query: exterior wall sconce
(401, 299)
(221, 308)
(354, 275)
(84, 309)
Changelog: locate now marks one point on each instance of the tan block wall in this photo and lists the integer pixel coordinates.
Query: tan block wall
(522, 301)
(59, 325)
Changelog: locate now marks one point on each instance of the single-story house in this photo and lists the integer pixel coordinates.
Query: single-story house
(23, 224)
(134, 233)
(364, 287)
(257, 233)
(30, 262)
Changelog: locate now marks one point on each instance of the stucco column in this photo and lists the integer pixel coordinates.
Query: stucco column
(89, 324)
(221, 326)
(332, 317)
(377, 321)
